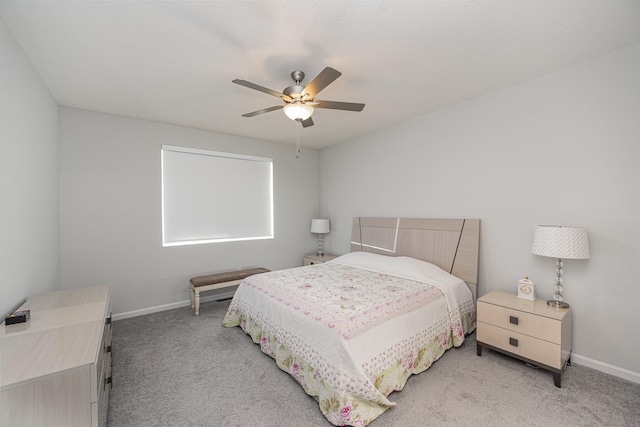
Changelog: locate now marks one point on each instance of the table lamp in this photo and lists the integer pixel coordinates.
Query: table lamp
(320, 226)
(560, 242)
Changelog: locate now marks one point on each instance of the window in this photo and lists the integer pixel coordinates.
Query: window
(209, 196)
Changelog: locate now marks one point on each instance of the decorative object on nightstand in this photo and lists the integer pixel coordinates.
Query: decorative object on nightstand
(560, 242)
(320, 227)
(527, 289)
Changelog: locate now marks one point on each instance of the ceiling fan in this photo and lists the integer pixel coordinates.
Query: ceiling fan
(299, 101)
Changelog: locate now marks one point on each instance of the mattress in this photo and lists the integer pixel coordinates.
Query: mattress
(352, 330)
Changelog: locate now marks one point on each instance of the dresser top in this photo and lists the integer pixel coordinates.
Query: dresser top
(64, 333)
(509, 300)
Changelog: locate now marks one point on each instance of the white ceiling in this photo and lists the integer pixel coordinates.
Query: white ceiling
(173, 61)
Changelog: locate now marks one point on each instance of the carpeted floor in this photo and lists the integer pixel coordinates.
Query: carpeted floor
(173, 369)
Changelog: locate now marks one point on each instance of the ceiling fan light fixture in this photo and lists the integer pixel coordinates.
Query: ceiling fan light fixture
(297, 111)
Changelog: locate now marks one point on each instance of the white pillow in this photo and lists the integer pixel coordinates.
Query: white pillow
(402, 266)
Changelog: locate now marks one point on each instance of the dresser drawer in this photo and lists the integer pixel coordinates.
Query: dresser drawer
(100, 405)
(98, 369)
(525, 346)
(99, 409)
(543, 328)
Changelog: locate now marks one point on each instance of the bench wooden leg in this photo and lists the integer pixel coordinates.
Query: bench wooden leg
(196, 302)
(191, 296)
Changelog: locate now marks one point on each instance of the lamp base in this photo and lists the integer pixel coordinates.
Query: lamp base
(320, 245)
(557, 304)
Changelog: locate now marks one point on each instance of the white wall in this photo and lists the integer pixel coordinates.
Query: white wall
(29, 254)
(110, 202)
(561, 149)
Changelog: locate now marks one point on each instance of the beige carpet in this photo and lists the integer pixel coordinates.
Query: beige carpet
(173, 369)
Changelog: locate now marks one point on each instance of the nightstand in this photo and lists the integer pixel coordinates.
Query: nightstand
(317, 259)
(527, 330)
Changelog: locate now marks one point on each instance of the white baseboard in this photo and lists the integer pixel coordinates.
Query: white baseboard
(158, 308)
(575, 358)
(606, 368)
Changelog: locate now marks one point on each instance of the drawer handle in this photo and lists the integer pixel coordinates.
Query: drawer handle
(513, 342)
(513, 320)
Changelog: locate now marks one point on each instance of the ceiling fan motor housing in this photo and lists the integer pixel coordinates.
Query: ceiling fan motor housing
(295, 91)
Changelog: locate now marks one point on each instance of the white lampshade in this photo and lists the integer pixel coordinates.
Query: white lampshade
(320, 226)
(561, 242)
(297, 111)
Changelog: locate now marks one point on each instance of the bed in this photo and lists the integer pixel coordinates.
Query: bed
(353, 330)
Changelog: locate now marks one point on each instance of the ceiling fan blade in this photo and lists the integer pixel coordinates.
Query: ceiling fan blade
(264, 110)
(307, 123)
(261, 89)
(335, 105)
(322, 80)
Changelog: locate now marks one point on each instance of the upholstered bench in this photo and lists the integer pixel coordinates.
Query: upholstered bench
(218, 281)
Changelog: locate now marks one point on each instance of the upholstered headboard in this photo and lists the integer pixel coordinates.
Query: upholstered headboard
(451, 244)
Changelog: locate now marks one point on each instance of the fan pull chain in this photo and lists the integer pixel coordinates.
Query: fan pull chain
(297, 124)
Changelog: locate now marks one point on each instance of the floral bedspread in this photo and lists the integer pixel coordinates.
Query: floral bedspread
(351, 333)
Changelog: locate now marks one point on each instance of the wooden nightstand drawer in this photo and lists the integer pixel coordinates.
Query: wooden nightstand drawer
(530, 324)
(531, 348)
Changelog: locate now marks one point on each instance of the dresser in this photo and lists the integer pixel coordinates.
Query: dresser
(317, 259)
(55, 370)
(530, 331)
